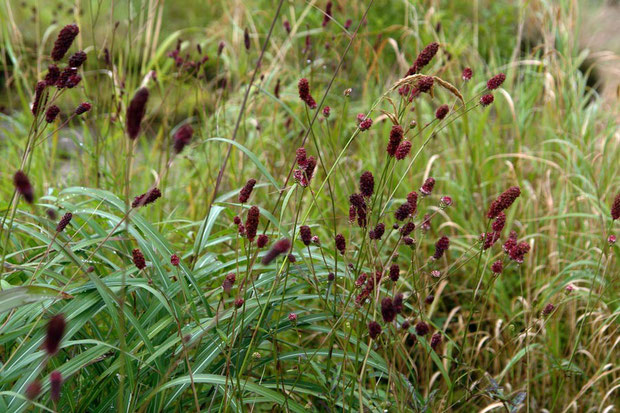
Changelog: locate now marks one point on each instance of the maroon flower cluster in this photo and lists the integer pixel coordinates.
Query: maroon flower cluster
(425, 84)
(396, 137)
(304, 93)
(403, 212)
(182, 137)
(246, 191)
(357, 209)
(467, 74)
(367, 184)
(341, 244)
(83, 108)
(55, 385)
(504, 201)
(427, 186)
(64, 221)
(77, 59)
(136, 111)
(328, 14)
(374, 329)
(278, 248)
(64, 40)
(229, 282)
(262, 240)
(487, 99)
(403, 150)
(364, 122)
(303, 175)
(38, 94)
(441, 246)
(305, 233)
(394, 272)
(146, 198)
(496, 81)
(138, 259)
(421, 328)
(251, 223)
(377, 232)
(615, 208)
(55, 331)
(23, 186)
(442, 111)
(51, 113)
(424, 58)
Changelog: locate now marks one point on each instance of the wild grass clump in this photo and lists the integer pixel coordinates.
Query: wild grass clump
(317, 207)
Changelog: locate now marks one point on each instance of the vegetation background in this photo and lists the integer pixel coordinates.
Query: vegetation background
(170, 338)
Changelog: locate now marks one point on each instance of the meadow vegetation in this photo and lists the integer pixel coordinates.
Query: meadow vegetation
(305, 206)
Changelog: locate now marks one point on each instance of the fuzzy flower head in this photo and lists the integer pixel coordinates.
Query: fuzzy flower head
(424, 58)
(279, 247)
(441, 246)
(262, 240)
(33, 390)
(146, 198)
(304, 93)
(548, 309)
(51, 113)
(388, 312)
(511, 242)
(64, 221)
(138, 259)
(487, 99)
(77, 59)
(251, 223)
(292, 317)
(326, 112)
(442, 111)
(425, 84)
(394, 272)
(407, 229)
(499, 223)
(182, 137)
(374, 329)
(445, 202)
(421, 328)
(497, 267)
(175, 260)
(55, 330)
(64, 40)
(305, 233)
(427, 188)
(55, 385)
(396, 137)
(377, 232)
(365, 124)
(367, 184)
(436, 340)
(615, 208)
(136, 111)
(83, 108)
(467, 74)
(403, 212)
(517, 253)
(504, 201)
(341, 244)
(496, 81)
(246, 191)
(412, 200)
(403, 150)
(23, 186)
(611, 240)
